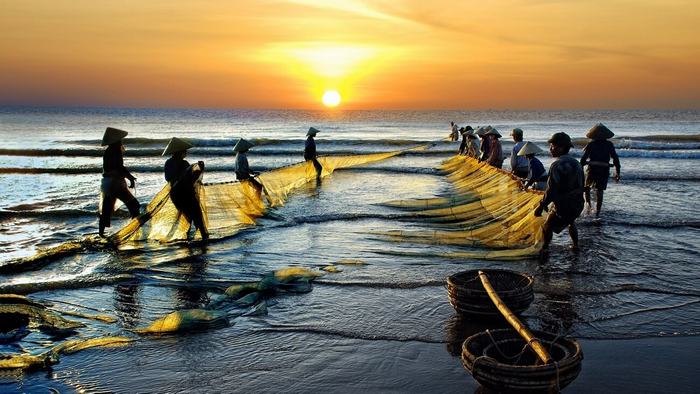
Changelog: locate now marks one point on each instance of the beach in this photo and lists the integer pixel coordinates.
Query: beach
(631, 296)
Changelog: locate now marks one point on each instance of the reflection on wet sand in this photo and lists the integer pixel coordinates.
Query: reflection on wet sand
(126, 304)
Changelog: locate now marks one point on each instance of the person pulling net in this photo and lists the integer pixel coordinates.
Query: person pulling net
(185, 184)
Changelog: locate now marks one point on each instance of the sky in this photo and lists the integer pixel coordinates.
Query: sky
(393, 54)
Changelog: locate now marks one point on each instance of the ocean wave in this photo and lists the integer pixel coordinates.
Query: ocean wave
(209, 168)
(659, 154)
(230, 142)
(666, 138)
(216, 152)
(660, 225)
(79, 282)
(58, 213)
(655, 145)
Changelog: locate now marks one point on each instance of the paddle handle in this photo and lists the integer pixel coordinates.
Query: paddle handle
(521, 328)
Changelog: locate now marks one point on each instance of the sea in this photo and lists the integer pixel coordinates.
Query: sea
(382, 324)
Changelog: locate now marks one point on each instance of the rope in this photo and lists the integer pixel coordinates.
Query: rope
(515, 357)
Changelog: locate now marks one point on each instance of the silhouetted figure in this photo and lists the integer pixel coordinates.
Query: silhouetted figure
(484, 142)
(597, 155)
(241, 167)
(310, 151)
(114, 176)
(183, 178)
(467, 141)
(564, 189)
(453, 131)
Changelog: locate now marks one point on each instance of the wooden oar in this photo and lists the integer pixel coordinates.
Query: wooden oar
(514, 321)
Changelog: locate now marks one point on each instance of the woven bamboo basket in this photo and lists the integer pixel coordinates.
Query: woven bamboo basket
(468, 297)
(500, 361)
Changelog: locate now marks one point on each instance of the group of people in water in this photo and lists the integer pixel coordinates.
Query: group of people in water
(180, 175)
(565, 184)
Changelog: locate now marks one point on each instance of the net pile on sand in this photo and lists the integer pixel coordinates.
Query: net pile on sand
(488, 210)
(231, 206)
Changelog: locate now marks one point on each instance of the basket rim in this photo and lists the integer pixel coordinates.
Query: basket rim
(576, 354)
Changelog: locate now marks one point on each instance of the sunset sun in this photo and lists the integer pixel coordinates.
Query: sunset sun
(331, 98)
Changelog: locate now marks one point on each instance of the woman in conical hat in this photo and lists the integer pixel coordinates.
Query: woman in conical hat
(484, 144)
(310, 151)
(114, 173)
(183, 179)
(241, 167)
(536, 174)
(467, 140)
(597, 155)
(495, 157)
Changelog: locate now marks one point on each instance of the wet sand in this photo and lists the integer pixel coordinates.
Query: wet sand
(287, 362)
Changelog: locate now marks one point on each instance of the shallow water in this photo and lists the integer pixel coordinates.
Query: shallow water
(387, 320)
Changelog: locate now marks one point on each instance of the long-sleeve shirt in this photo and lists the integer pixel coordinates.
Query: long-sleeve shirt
(174, 169)
(471, 149)
(310, 149)
(598, 153)
(495, 157)
(484, 148)
(241, 167)
(113, 163)
(535, 170)
(564, 185)
(515, 160)
(463, 145)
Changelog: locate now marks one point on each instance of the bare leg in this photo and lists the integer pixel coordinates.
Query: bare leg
(599, 201)
(548, 234)
(587, 197)
(573, 233)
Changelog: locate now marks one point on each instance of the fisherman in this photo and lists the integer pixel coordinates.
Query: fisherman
(465, 139)
(114, 173)
(484, 143)
(564, 189)
(183, 179)
(310, 151)
(518, 164)
(536, 175)
(243, 172)
(597, 156)
(495, 157)
(453, 131)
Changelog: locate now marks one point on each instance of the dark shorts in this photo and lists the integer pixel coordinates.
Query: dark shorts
(558, 220)
(597, 177)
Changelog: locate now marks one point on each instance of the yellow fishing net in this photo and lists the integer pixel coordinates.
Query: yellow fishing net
(232, 206)
(488, 210)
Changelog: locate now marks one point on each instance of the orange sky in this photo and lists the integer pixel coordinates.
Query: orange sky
(393, 54)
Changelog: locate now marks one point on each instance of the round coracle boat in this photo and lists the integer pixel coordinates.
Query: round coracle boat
(468, 297)
(500, 360)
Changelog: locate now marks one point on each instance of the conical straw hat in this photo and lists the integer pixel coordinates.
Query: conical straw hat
(312, 132)
(176, 145)
(495, 132)
(242, 145)
(466, 130)
(480, 132)
(529, 149)
(599, 132)
(112, 135)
